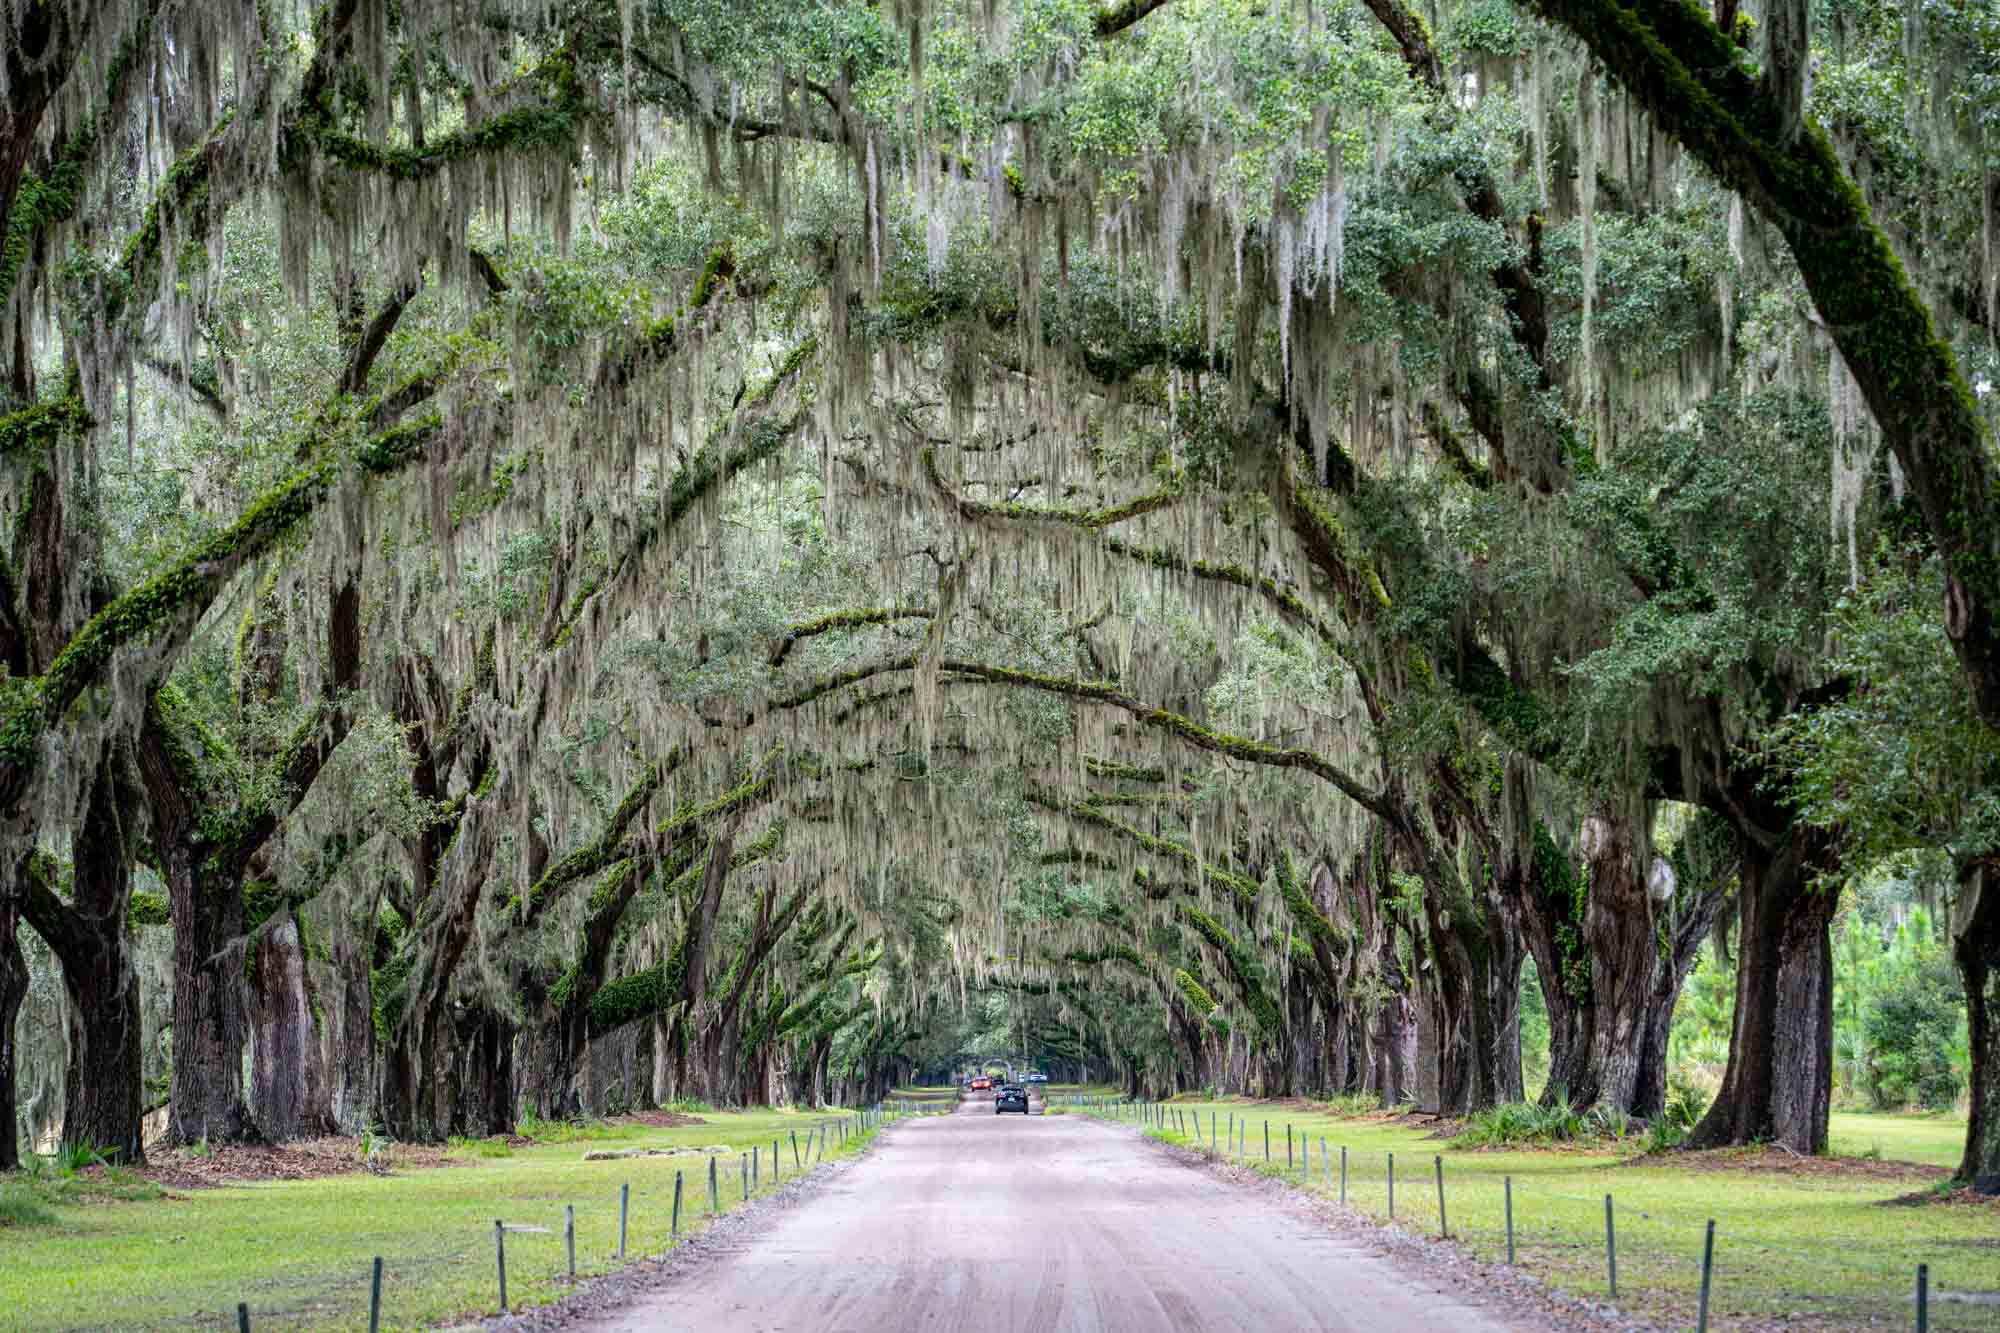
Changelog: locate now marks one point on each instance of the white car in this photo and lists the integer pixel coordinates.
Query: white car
(1035, 1077)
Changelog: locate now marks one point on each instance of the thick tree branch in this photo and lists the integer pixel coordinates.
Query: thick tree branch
(1674, 60)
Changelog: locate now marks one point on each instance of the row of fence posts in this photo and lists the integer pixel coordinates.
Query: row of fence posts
(813, 1151)
(1158, 1115)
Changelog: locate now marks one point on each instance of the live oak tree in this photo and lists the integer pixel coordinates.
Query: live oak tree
(739, 536)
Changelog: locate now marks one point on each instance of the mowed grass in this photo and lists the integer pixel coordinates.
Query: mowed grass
(299, 1252)
(1816, 1243)
(1934, 1140)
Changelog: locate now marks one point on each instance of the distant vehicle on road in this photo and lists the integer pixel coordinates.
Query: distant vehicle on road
(1013, 1097)
(1034, 1076)
(980, 1084)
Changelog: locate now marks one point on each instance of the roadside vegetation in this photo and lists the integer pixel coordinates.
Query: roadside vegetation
(299, 1251)
(1830, 1241)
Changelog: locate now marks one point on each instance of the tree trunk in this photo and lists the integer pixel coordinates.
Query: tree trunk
(288, 1082)
(101, 1085)
(1618, 929)
(1465, 1003)
(1698, 916)
(1976, 948)
(488, 1105)
(350, 1038)
(551, 1048)
(1552, 924)
(1778, 1087)
(207, 907)
(13, 989)
(206, 1092)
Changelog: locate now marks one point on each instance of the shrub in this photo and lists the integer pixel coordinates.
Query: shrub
(1664, 1135)
(75, 1157)
(1912, 1028)
(1686, 1104)
(374, 1147)
(1606, 1121)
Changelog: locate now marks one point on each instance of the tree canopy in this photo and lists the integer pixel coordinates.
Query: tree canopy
(806, 538)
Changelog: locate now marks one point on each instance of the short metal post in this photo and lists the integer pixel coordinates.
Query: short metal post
(624, 1207)
(1343, 1175)
(500, 1258)
(1508, 1183)
(714, 1195)
(1444, 1227)
(1610, 1248)
(1288, 1149)
(796, 1163)
(775, 1177)
(756, 1166)
(1923, 1299)
(677, 1205)
(242, 1317)
(375, 1298)
(1325, 1162)
(1707, 1272)
(1392, 1187)
(744, 1162)
(569, 1237)
(1267, 1140)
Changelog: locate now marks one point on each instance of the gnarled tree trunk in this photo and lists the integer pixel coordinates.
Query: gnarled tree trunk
(90, 937)
(1618, 929)
(1778, 1087)
(1976, 949)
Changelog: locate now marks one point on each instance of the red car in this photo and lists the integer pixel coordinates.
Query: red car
(981, 1084)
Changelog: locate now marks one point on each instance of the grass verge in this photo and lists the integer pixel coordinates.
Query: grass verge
(1815, 1243)
(299, 1252)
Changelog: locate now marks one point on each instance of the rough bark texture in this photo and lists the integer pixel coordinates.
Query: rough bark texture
(205, 1097)
(1778, 1087)
(288, 1082)
(1698, 917)
(349, 1035)
(696, 946)
(1976, 948)
(1618, 926)
(13, 989)
(90, 938)
(486, 1102)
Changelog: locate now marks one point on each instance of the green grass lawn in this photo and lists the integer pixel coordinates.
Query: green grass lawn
(1818, 1240)
(299, 1252)
(1935, 1140)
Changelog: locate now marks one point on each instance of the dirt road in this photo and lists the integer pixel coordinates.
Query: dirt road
(978, 1221)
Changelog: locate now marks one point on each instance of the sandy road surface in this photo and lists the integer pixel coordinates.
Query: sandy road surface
(978, 1221)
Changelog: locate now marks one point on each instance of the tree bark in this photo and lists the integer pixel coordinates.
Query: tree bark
(1618, 929)
(1703, 905)
(89, 935)
(205, 1095)
(288, 1080)
(13, 989)
(1976, 950)
(486, 1090)
(350, 1037)
(1778, 1087)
